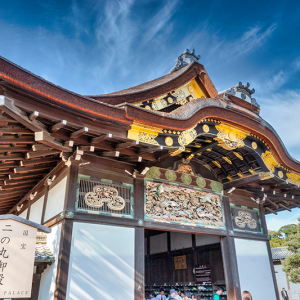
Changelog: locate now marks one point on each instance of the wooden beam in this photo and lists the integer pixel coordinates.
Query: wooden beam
(133, 159)
(21, 193)
(7, 119)
(9, 165)
(78, 133)
(273, 203)
(41, 153)
(58, 126)
(40, 184)
(241, 181)
(86, 148)
(269, 209)
(33, 115)
(26, 175)
(8, 188)
(10, 130)
(101, 138)
(12, 193)
(295, 204)
(45, 138)
(126, 145)
(38, 161)
(150, 149)
(20, 181)
(17, 141)
(14, 149)
(39, 147)
(11, 157)
(285, 207)
(111, 154)
(34, 168)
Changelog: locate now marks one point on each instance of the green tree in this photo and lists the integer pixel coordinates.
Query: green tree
(291, 265)
(277, 239)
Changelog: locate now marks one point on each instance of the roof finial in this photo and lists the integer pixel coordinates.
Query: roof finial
(242, 91)
(184, 59)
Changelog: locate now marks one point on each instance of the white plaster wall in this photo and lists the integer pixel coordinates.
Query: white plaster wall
(158, 243)
(202, 240)
(254, 269)
(292, 288)
(23, 214)
(47, 286)
(101, 263)
(36, 209)
(56, 198)
(180, 240)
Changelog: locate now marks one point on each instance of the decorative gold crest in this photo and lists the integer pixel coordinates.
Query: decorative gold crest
(169, 141)
(254, 145)
(280, 174)
(205, 128)
(230, 137)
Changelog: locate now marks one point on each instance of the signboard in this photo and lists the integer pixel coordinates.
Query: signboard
(17, 249)
(203, 274)
(180, 262)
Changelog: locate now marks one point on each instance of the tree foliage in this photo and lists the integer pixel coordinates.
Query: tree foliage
(291, 265)
(278, 238)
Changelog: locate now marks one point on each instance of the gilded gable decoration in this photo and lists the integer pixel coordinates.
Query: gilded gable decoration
(229, 137)
(144, 133)
(187, 137)
(182, 95)
(270, 162)
(293, 178)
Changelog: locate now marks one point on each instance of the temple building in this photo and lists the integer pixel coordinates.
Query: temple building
(162, 185)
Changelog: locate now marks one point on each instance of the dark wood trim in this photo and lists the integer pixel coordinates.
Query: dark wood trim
(63, 260)
(227, 213)
(183, 228)
(273, 270)
(45, 204)
(264, 226)
(230, 268)
(139, 199)
(139, 264)
(71, 188)
(249, 236)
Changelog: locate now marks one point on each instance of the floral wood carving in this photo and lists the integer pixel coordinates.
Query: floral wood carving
(168, 203)
(103, 194)
(244, 219)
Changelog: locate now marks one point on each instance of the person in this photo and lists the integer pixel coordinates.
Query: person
(161, 295)
(246, 295)
(284, 294)
(172, 294)
(218, 293)
(151, 296)
(177, 296)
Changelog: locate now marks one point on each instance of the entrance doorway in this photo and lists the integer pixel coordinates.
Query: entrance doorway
(189, 263)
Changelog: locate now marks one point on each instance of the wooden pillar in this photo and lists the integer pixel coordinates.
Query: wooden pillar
(265, 230)
(139, 280)
(66, 236)
(63, 260)
(229, 257)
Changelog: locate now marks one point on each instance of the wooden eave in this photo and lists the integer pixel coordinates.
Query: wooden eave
(43, 127)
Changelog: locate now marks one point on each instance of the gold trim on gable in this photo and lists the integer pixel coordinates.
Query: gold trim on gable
(230, 137)
(144, 133)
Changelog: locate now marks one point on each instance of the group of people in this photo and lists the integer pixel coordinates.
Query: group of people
(177, 295)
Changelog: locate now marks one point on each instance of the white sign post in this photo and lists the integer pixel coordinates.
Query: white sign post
(17, 250)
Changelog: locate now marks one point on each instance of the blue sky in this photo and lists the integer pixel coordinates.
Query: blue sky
(96, 47)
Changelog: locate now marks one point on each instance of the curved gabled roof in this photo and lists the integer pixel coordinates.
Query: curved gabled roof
(161, 86)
